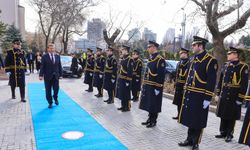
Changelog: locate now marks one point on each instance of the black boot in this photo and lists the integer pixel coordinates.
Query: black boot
(185, 143)
(146, 122)
(195, 147)
(151, 125)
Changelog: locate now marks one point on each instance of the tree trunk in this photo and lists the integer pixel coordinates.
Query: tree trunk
(219, 52)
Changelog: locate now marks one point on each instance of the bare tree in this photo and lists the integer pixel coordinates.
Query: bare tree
(74, 17)
(216, 13)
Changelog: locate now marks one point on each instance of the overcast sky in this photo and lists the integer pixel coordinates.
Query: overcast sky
(157, 15)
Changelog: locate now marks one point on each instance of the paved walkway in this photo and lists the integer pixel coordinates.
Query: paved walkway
(16, 129)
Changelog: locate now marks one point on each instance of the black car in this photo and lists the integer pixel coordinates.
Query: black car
(66, 65)
(170, 72)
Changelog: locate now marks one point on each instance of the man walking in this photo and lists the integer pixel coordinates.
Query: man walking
(51, 71)
(15, 68)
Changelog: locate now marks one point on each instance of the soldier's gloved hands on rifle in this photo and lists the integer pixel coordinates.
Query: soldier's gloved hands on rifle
(206, 103)
(238, 102)
(8, 74)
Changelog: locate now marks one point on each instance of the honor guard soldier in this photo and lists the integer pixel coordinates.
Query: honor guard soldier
(110, 75)
(125, 79)
(15, 67)
(198, 92)
(231, 89)
(89, 70)
(153, 84)
(99, 72)
(245, 131)
(181, 75)
(137, 75)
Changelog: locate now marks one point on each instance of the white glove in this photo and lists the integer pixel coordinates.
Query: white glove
(113, 80)
(8, 73)
(90, 74)
(206, 104)
(100, 76)
(127, 84)
(157, 92)
(137, 80)
(216, 98)
(238, 102)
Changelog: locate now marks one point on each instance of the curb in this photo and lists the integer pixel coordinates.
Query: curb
(212, 108)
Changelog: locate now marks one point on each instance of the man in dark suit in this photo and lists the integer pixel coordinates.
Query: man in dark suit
(74, 65)
(51, 71)
(30, 56)
(15, 68)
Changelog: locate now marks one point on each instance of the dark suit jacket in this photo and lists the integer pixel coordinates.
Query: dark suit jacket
(30, 59)
(48, 69)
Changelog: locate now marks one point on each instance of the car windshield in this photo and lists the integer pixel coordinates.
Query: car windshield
(66, 59)
(173, 63)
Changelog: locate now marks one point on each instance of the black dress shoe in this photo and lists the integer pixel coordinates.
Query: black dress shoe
(228, 139)
(110, 102)
(125, 110)
(23, 100)
(220, 136)
(151, 125)
(13, 97)
(99, 95)
(146, 123)
(175, 118)
(50, 106)
(195, 147)
(120, 108)
(56, 102)
(106, 100)
(185, 143)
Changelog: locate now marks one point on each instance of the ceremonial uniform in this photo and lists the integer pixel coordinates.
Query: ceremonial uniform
(136, 79)
(89, 72)
(110, 75)
(152, 90)
(125, 82)
(99, 74)
(245, 131)
(15, 66)
(181, 75)
(231, 88)
(198, 92)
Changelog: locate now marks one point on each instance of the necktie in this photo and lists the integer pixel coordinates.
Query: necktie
(52, 58)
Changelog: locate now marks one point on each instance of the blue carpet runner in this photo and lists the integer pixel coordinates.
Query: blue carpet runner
(50, 124)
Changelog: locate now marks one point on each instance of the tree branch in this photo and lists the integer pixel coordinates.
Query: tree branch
(202, 6)
(237, 25)
(230, 9)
